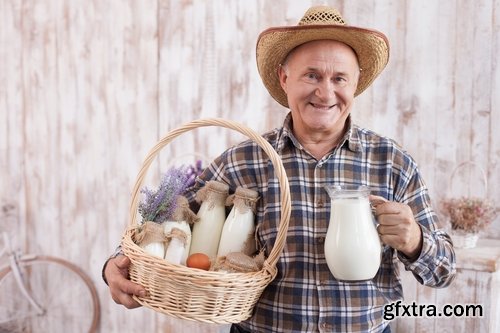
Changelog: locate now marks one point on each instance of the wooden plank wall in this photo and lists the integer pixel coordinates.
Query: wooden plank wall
(88, 87)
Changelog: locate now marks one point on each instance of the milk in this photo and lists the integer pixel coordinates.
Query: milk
(155, 249)
(207, 231)
(238, 233)
(352, 245)
(177, 251)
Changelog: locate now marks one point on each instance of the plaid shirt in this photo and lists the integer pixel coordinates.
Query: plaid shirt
(305, 297)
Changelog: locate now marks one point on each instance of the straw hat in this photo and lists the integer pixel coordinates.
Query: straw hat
(321, 22)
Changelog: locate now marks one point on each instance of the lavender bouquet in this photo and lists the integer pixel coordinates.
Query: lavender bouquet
(159, 205)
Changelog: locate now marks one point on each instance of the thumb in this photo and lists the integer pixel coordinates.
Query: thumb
(123, 262)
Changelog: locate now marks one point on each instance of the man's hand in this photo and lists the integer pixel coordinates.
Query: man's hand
(397, 226)
(120, 287)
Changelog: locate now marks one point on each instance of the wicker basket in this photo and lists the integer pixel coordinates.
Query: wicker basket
(465, 239)
(205, 296)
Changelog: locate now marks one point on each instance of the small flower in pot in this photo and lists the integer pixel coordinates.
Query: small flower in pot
(468, 214)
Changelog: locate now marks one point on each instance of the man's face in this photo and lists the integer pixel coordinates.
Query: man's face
(320, 79)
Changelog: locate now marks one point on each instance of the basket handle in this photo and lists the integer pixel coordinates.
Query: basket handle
(271, 153)
(461, 165)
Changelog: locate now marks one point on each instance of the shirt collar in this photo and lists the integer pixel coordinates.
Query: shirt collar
(351, 138)
(287, 135)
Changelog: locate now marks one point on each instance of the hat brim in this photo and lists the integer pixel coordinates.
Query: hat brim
(274, 44)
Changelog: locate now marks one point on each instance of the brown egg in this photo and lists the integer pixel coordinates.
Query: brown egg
(198, 260)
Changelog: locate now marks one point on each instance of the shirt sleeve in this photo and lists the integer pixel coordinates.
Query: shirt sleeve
(436, 265)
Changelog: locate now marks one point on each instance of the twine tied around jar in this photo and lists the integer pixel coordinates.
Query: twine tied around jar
(149, 232)
(177, 234)
(243, 199)
(183, 212)
(214, 192)
(237, 262)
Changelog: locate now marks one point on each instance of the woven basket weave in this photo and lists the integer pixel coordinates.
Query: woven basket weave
(205, 296)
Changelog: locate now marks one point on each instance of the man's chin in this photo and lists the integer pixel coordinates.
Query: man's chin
(328, 121)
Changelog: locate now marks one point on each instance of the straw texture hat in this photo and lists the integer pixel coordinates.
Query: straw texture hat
(321, 22)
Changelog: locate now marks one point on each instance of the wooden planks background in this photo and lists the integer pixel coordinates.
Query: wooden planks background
(88, 87)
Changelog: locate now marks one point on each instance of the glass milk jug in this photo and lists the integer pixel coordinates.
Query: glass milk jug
(352, 244)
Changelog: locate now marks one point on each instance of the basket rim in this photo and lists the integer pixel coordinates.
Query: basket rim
(279, 170)
(199, 273)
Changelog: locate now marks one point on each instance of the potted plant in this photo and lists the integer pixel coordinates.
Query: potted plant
(468, 216)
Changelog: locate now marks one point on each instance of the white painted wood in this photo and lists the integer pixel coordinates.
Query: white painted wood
(477, 282)
(88, 87)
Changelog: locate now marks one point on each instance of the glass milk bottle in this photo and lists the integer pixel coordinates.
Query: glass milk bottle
(238, 233)
(151, 238)
(352, 244)
(206, 232)
(178, 232)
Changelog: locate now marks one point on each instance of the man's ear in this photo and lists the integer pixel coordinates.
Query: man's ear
(282, 76)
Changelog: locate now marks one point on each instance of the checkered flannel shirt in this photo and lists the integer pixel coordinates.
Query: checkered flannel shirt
(305, 297)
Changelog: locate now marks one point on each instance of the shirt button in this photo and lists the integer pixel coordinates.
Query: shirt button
(321, 283)
(321, 240)
(320, 203)
(323, 325)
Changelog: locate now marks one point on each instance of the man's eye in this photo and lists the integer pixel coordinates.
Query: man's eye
(312, 76)
(341, 81)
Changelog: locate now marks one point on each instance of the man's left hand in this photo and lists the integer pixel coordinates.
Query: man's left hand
(397, 226)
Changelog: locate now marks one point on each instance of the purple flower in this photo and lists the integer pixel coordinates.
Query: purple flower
(159, 206)
(192, 172)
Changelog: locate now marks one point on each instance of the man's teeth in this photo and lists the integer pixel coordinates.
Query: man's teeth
(326, 107)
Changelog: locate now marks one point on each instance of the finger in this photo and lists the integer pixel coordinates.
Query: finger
(126, 285)
(130, 288)
(380, 205)
(389, 208)
(389, 229)
(388, 218)
(391, 240)
(126, 300)
(396, 241)
(120, 281)
(376, 200)
(389, 234)
(123, 291)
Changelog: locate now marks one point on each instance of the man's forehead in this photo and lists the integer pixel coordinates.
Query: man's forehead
(318, 46)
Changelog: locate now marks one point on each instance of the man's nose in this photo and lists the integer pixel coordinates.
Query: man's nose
(325, 90)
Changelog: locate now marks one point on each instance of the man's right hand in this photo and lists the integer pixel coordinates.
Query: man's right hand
(120, 287)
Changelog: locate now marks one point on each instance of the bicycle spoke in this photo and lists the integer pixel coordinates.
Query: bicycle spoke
(69, 303)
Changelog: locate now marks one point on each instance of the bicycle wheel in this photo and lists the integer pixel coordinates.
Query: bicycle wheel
(66, 294)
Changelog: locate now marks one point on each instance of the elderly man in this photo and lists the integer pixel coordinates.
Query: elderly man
(316, 69)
